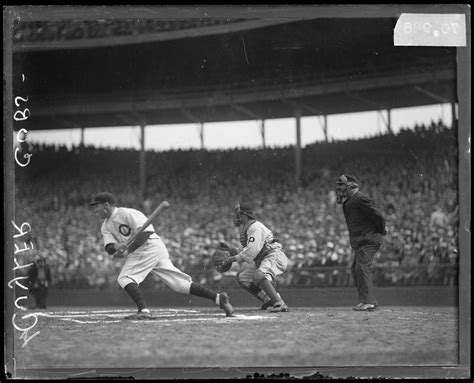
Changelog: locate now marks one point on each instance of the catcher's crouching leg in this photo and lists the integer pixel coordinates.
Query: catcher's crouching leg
(261, 280)
(253, 289)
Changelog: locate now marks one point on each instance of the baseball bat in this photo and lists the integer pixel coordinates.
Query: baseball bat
(162, 206)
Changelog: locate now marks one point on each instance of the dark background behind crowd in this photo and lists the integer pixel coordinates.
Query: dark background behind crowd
(411, 175)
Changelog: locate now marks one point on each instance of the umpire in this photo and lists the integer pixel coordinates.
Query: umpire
(366, 230)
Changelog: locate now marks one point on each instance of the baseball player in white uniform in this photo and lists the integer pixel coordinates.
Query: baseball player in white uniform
(147, 254)
(263, 255)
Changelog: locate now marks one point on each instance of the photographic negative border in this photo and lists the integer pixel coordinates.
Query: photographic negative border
(463, 57)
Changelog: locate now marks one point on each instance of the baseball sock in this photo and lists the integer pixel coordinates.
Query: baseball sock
(201, 291)
(134, 292)
(254, 289)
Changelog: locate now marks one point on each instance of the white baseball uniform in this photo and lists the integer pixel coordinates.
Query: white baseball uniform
(151, 257)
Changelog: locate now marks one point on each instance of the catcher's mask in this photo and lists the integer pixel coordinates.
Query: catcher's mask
(239, 209)
(344, 184)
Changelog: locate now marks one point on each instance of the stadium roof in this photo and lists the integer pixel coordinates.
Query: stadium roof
(180, 65)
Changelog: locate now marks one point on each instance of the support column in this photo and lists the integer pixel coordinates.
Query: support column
(262, 132)
(82, 137)
(325, 128)
(298, 155)
(389, 121)
(453, 115)
(201, 134)
(142, 165)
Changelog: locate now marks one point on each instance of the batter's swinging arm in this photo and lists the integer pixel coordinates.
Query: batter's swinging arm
(162, 206)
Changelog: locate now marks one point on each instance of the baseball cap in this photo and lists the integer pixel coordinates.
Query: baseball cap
(102, 198)
(245, 208)
(348, 179)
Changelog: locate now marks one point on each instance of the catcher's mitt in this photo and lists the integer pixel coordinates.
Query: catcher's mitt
(219, 257)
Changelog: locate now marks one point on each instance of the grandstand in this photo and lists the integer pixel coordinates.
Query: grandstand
(257, 67)
(202, 187)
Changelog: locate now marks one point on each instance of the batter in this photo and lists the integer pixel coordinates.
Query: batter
(146, 255)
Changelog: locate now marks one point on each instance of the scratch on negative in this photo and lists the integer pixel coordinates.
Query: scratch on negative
(245, 50)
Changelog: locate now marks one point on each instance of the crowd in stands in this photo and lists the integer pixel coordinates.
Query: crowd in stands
(412, 176)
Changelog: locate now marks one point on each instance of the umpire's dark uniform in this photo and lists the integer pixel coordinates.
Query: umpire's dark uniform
(366, 230)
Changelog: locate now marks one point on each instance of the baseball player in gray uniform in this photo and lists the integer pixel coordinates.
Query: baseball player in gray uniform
(264, 255)
(146, 254)
(245, 276)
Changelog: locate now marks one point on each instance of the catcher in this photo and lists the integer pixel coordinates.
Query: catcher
(244, 276)
(263, 254)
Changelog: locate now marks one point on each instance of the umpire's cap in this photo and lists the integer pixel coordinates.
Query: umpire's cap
(348, 180)
(104, 197)
(244, 208)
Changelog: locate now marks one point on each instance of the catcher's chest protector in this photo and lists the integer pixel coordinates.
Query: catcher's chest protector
(243, 233)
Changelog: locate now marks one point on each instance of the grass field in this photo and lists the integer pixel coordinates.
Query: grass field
(91, 337)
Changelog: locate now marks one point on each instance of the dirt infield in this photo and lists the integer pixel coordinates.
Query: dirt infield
(78, 337)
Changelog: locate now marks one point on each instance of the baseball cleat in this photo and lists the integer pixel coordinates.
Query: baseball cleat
(225, 305)
(364, 307)
(279, 307)
(140, 315)
(357, 306)
(266, 305)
